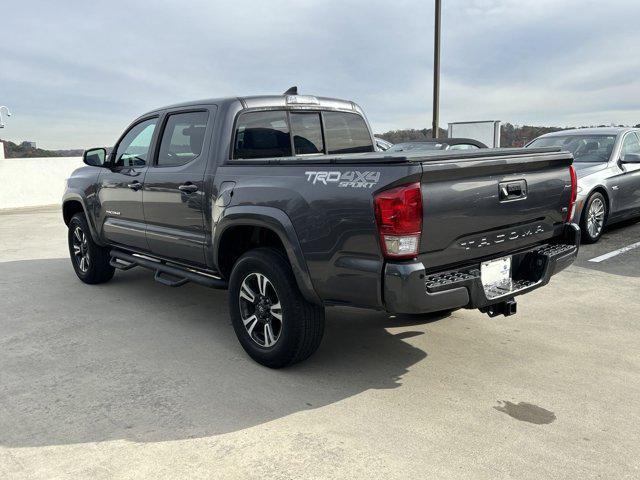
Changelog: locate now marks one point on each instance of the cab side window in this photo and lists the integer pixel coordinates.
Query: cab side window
(133, 149)
(262, 135)
(183, 138)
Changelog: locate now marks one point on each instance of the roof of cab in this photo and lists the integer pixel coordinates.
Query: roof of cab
(194, 103)
(264, 101)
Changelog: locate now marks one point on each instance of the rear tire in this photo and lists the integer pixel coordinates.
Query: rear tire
(594, 218)
(275, 325)
(90, 261)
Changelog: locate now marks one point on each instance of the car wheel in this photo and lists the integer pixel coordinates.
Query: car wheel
(275, 325)
(594, 218)
(90, 261)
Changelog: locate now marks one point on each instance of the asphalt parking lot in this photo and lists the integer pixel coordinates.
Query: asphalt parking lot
(132, 379)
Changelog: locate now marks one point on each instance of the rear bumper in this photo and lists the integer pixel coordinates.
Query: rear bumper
(409, 289)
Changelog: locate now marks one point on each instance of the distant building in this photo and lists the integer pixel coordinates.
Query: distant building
(28, 144)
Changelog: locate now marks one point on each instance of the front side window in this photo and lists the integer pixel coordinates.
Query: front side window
(306, 129)
(183, 138)
(346, 133)
(262, 135)
(133, 150)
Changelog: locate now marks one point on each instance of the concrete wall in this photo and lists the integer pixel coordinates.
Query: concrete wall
(32, 182)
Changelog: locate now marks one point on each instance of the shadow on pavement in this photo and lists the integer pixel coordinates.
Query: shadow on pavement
(616, 236)
(620, 225)
(135, 360)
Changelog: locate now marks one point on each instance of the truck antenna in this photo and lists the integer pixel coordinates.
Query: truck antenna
(292, 91)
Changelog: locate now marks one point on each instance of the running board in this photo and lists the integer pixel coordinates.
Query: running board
(178, 275)
(121, 265)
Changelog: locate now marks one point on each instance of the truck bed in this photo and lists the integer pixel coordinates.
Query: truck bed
(391, 158)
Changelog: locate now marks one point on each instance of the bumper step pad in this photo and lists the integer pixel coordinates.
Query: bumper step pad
(532, 262)
(452, 279)
(554, 250)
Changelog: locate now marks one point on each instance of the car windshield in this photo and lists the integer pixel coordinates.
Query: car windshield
(416, 146)
(585, 148)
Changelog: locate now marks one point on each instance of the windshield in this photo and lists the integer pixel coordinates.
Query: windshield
(416, 146)
(585, 148)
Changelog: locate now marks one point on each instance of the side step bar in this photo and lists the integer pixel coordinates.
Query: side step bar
(126, 261)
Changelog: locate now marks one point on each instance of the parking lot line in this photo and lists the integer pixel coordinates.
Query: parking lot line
(609, 255)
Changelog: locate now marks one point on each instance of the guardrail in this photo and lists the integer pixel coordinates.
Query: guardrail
(34, 182)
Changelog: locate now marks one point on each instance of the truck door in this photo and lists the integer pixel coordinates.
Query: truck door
(628, 198)
(174, 186)
(120, 187)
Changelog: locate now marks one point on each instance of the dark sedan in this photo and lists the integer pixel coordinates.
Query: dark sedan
(438, 144)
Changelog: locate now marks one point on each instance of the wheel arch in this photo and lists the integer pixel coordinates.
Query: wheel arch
(242, 228)
(73, 203)
(603, 191)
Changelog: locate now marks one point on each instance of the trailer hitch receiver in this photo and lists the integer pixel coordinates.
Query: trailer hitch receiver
(506, 308)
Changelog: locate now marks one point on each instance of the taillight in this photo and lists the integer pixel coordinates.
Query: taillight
(574, 193)
(399, 216)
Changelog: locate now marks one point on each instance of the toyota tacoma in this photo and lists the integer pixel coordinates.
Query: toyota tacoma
(284, 201)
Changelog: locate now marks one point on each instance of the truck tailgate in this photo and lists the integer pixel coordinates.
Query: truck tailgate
(489, 203)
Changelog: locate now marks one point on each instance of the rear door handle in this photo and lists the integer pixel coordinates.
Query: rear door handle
(188, 188)
(135, 185)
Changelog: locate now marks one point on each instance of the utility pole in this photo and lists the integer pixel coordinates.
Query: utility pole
(436, 71)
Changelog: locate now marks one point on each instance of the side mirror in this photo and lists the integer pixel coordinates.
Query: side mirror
(95, 157)
(630, 158)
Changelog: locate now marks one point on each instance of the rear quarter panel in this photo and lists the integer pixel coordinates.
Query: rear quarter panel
(332, 216)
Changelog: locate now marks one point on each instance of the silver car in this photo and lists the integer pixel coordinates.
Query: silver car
(382, 145)
(607, 163)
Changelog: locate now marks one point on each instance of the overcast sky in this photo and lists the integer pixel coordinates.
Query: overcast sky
(75, 73)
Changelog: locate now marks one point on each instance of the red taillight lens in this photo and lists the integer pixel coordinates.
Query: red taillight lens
(399, 216)
(574, 193)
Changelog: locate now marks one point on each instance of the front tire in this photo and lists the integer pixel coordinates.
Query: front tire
(90, 261)
(275, 325)
(594, 218)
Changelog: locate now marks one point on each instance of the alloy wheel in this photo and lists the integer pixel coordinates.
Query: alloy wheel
(595, 217)
(81, 249)
(260, 309)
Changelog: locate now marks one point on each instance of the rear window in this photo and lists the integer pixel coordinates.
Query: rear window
(262, 135)
(307, 133)
(463, 146)
(346, 133)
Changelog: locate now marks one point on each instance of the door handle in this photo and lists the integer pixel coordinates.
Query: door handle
(135, 185)
(188, 188)
(513, 190)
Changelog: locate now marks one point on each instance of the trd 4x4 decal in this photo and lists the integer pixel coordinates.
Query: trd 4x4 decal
(353, 179)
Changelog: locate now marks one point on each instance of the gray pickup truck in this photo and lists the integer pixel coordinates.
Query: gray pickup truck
(284, 201)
